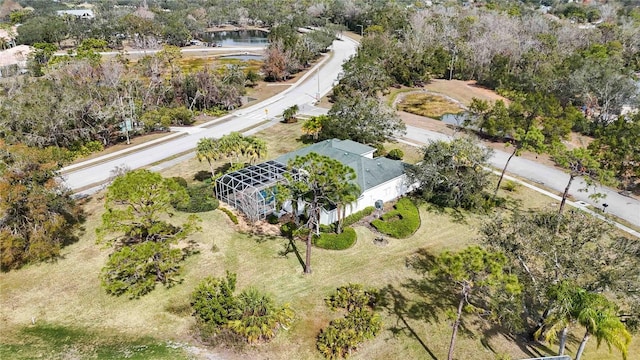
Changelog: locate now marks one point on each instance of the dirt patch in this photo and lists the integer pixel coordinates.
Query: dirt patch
(463, 91)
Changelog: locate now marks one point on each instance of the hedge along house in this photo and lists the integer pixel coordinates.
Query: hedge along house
(252, 189)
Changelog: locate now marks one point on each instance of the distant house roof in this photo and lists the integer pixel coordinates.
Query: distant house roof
(81, 13)
(370, 172)
(17, 55)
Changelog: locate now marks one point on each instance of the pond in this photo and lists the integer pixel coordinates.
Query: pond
(243, 57)
(454, 119)
(237, 38)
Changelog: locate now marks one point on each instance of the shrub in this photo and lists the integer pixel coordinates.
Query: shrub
(357, 216)
(333, 241)
(258, 316)
(203, 176)
(380, 151)
(509, 185)
(273, 219)
(395, 154)
(361, 323)
(327, 228)
(401, 222)
(251, 315)
(232, 216)
(213, 302)
(200, 200)
(181, 181)
(352, 296)
(343, 336)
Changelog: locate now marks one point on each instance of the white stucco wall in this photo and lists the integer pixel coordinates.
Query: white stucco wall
(388, 191)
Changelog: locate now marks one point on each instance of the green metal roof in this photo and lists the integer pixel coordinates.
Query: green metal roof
(370, 172)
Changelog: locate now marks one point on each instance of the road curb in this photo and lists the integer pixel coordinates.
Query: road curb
(622, 227)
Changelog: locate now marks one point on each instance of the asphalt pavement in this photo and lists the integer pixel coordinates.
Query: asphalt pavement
(624, 207)
(318, 81)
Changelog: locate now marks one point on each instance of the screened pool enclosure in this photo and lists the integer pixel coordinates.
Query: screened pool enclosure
(252, 190)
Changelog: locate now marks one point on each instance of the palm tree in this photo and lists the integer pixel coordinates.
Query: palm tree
(289, 114)
(313, 126)
(208, 149)
(257, 316)
(598, 316)
(562, 314)
(254, 149)
(231, 145)
(347, 194)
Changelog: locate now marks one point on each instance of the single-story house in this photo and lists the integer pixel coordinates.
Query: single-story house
(79, 13)
(251, 190)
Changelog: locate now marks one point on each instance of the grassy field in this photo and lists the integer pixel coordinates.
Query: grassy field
(429, 105)
(74, 318)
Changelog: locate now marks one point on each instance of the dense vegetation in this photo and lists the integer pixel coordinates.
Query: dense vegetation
(250, 315)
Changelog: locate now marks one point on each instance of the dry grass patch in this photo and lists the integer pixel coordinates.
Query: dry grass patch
(428, 105)
(463, 91)
(412, 154)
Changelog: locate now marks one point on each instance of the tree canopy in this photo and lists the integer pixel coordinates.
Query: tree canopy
(323, 182)
(135, 225)
(362, 119)
(452, 173)
(39, 216)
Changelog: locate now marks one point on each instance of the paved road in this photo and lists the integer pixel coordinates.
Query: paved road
(317, 82)
(624, 207)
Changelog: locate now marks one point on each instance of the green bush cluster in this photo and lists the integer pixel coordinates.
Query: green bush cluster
(232, 216)
(344, 335)
(401, 222)
(395, 154)
(181, 181)
(251, 315)
(509, 185)
(80, 150)
(164, 117)
(273, 219)
(201, 199)
(333, 241)
(357, 216)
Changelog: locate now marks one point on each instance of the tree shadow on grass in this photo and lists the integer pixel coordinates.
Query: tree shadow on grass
(456, 215)
(396, 304)
(262, 238)
(431, 299)
(529, 347)
(290, 247)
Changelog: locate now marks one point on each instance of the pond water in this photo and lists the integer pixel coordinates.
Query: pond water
(237, 38)
(454, 119)
(245, 57)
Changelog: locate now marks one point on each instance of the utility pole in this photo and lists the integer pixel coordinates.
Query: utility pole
(318, 93)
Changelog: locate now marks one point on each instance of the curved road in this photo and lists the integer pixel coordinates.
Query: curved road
(317, 82)
(624, 207)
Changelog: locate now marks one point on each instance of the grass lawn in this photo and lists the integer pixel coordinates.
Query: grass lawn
(429, 105)
(65, 295)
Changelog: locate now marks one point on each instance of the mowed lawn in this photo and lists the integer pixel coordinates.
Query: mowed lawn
(66, 294)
